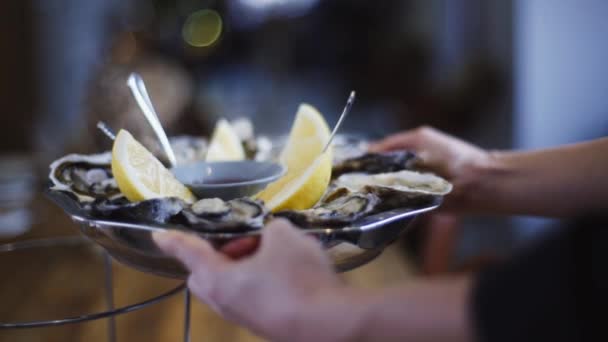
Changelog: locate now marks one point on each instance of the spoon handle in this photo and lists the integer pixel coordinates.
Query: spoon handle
(347, 107)
(141, 86)
(136, 84)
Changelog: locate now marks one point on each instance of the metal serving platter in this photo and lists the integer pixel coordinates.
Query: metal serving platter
(348, 247)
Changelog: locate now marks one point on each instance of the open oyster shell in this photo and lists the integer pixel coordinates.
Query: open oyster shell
(234, 215)
(372, 163)
(405, 181)
(86, 177)
(343, 209)
(354, 196)
(156, 211)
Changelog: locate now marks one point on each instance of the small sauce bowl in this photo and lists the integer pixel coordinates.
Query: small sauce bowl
(228, 179)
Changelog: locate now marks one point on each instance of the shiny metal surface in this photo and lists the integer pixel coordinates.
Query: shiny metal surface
(349, 247)
(109, 313)
(136, 83)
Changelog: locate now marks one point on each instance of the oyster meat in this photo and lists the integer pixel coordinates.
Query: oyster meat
(403, 189)
(342, 209)
(187, 148)
(405, 181)
(391, 198)
(372, 163)
(211, 207)
(214, 214)
(156, 211)
(86, 177)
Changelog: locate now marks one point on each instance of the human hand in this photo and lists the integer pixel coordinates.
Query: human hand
(451, 158)
(240, 248)
(269, 291)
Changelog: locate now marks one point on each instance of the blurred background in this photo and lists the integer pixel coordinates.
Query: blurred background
(502, 74)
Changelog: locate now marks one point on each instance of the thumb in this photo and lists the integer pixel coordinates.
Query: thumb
(279, 236)
(194, 252)
(276, 231)
(281, 239)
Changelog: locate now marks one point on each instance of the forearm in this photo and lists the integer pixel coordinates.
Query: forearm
(560, 182)
(428, 310)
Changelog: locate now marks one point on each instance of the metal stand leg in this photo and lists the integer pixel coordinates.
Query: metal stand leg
(109, 285)
(186, 315)
(108, 288)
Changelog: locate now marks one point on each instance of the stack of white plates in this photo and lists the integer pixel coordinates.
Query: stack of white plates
(17, 187)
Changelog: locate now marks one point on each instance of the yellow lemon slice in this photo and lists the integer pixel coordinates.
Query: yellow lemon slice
(139, 175)
(308, 171)
(225, 144)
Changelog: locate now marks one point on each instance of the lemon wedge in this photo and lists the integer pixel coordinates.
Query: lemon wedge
(308, 170)
(225, 144)
(139, 175)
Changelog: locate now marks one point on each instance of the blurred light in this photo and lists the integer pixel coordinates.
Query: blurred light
(202, 28)
(248, 13)
(284, 7)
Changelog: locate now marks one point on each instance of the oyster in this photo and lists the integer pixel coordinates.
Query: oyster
(214, 214)
(187, 149)
(262, 149)
(341, 210)
(348, 146)
(391, 198)
(211, 207)
(403, 189)
(87, 177)
(373, 163)
(158, 210)
(404, 181)
(354, 196)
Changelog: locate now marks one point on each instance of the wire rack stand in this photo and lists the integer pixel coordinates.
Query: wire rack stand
(111, 311)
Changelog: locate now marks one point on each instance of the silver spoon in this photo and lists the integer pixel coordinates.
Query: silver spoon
(196, 175)
(345, 111)
(138, 88)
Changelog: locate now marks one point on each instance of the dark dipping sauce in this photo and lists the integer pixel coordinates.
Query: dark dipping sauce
(223, 181)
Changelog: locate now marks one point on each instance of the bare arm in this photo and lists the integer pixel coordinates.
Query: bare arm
(563, 181)
(288, 291)
(424, 310)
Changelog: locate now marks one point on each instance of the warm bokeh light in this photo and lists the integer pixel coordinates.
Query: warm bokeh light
(202, 28)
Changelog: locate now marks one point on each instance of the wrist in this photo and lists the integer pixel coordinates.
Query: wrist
(478, 187)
